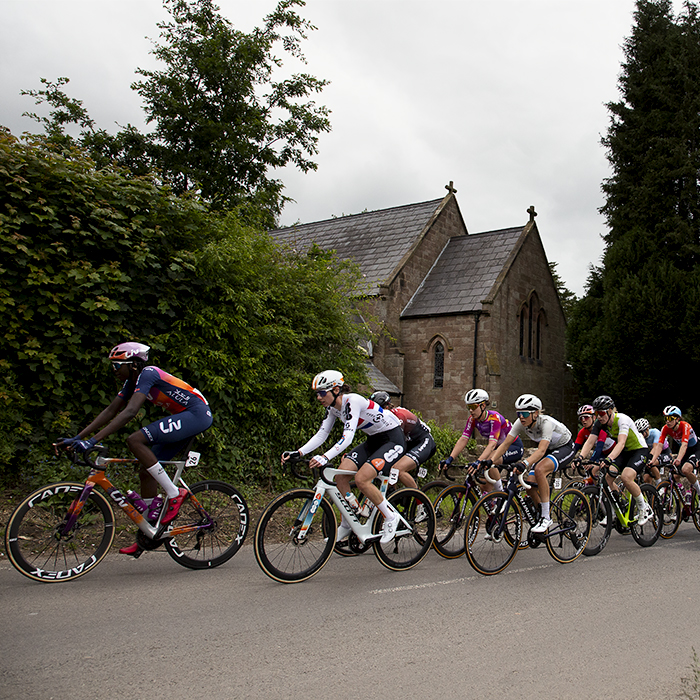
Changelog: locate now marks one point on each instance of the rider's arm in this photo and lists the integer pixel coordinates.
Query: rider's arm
(538, 454)
(588, 445)
(619, 446)
(321, 435)
(488, 450)
(501, 449)
(123, 417)
(104, 417)
(459, 446)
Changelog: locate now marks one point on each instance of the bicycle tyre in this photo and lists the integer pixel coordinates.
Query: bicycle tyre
(410, 546)
(211, 546)
(672, 504)
(696, 509)
(645, 535)
(34, 546)
(601, 521)
(491, 555)
(435, 488)
(279, 552)
(452, 508)
(352, 546)
(570, 509)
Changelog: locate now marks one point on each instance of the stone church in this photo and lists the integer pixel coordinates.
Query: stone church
(461, 310)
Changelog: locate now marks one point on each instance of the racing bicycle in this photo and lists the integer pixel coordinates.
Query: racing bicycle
(679, 502)
(297, 531)
(63, 530)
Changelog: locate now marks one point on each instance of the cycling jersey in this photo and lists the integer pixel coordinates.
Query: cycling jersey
(603, 446)
(356, 412)
(653, 436)
(493, 427)
(622, 425)
(162, 389)
(683, 433)
(413, 427)
(544, 428)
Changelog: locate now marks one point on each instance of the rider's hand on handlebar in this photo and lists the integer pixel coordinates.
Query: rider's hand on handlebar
(65, 443)
(318, 461)
(444, 463)
(83, 445)
(520, 467)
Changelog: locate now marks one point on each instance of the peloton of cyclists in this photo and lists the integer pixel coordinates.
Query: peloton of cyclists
(384, 447)
(161, 439)
(420, 445)
(682, 433)
(494, 427)
(629, 453)
(554, 449)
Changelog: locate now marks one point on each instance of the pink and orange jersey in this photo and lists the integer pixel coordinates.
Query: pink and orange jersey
(162, 389)
(493, 427)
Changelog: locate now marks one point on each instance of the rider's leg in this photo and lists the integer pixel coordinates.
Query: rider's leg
(687, 471)
(406, 465)
(543, 469)
(151, 472)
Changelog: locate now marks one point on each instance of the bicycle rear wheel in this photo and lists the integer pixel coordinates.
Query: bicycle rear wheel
(601, 521)
(696, 509)
(571, 526)
(672, 505)
(452, 508)
(435, 488)
(36, 544)
(280, 551)
(645, 535)
(221, 528)
(492, 533)
(412, 542)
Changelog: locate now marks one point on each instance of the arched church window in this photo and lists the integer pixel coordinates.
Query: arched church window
(439, 365)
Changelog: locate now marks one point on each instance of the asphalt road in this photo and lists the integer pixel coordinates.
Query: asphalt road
(619, 625)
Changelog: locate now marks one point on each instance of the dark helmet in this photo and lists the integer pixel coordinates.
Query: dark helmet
(380, 397)
(603, 403)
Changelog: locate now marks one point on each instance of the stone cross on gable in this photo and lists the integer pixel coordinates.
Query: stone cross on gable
(531, 211)
(450, 188)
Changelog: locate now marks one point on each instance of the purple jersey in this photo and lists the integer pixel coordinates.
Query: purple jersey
(162, 389)
(493, 427)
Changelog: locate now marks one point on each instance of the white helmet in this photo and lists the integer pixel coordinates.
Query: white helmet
(642, 424)
(475, 396)
(528, 402)
(325, 381)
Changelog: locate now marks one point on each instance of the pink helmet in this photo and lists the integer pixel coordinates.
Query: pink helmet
(585, 410)
(129, 351)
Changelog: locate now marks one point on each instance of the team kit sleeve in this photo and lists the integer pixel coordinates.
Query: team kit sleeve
(352, 405)
(321, 436)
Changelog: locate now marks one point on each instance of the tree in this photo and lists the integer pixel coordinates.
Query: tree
(91, 257)
(635, 333)
(222, 122)
(566, 296)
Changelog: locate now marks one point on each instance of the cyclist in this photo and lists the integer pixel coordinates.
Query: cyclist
(494, 427)
(629, 453)
(554, 449)
(384, 446)
(604, 444)
(651, 435)
(161, 439)
(688, 447)
(420, 445)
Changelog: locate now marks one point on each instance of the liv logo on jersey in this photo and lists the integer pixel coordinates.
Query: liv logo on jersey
(172, 425)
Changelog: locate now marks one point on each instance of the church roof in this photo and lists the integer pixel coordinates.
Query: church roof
(377, 241)
(464, 274)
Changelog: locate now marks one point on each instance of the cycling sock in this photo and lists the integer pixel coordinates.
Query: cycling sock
(696, 485)
(161, 476)
(640, 500)
(386, 510)
(545, 510)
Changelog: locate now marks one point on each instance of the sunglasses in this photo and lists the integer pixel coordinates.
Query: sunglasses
(585, 415)
(670, 419)
(524, 414)
(601, 413)
(473, 406)
(321, 393)
(117, 364)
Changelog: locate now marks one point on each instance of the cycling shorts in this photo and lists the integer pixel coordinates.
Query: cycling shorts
(170, 434)
(514, 453)
(691, 455)
(561, 455)
(381, 450)
(634, 459)
(421, 449)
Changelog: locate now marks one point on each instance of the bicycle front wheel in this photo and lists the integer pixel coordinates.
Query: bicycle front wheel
(452, 508)
(414, 537)
(435, 488)
(645, 535)
(37, 544)
(571, 526)
(221, 524)
(601, 521)
(672, 505)
(696, 509)
(282, 551)
(492, 533)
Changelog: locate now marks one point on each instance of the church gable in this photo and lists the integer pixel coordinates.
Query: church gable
(464, 274)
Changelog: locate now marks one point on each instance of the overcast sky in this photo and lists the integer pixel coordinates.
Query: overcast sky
(504, 97)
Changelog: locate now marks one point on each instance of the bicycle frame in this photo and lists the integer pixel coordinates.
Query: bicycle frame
(97, 477)
(623, 517)
(326, 486)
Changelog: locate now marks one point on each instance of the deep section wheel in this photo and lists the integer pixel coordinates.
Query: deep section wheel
(601, 521)
(672, 503)
(571, 526)
(645, 535)
(452, 508)
(40, 547)
(217, 521)
(285, 552)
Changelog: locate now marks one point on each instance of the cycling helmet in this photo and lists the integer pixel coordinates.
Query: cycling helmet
(380, 397)
(603, 403)
(325, 381)
(585, 410)
(673, 411)
(642, 424)
(125, 352)
(476, 396)
(528, 402)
